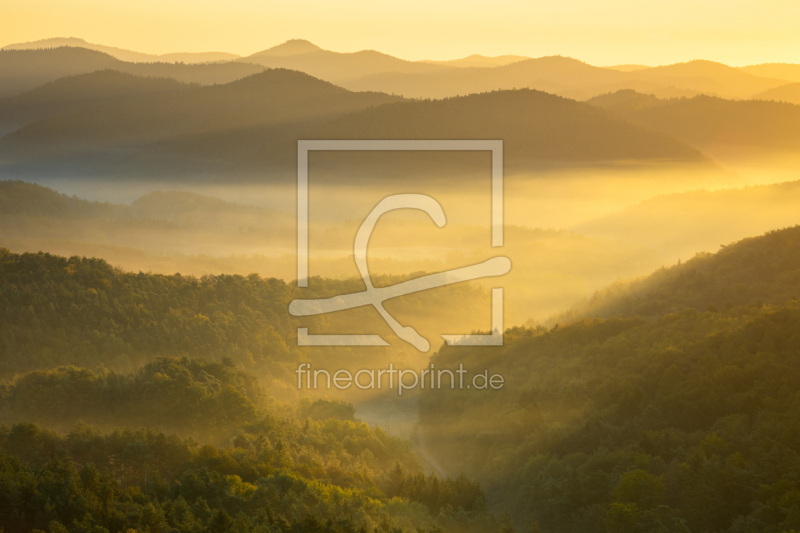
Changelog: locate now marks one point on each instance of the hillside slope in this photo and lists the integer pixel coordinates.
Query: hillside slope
(22, 70)
(254, 123)
(705, 121)
(72, 93)
(534, 126)
(683, 422)
(762, 270)
(571, 78)
(682, 224)
(122, 54)
(271, 98)
(334, 66)
(784, 71)
(785, 93)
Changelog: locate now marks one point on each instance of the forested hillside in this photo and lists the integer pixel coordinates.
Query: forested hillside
(274, 476)
(705, 121)
(56, 311)
(681, 420)
(72, 93)
(22, 70)
(758, 270)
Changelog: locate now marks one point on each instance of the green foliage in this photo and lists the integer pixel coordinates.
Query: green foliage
(277, 476)
(683, 422)
(207, 400)
(753, 271)
(324, 409)
(56, 311)
(436, 494)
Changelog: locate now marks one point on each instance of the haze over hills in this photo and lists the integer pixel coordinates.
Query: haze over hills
(124, 55)
(709, 77)
(757, 270)
(534, 126)
(22, 70)
(629, 67)
(72, 93)
(784, 71)
(785, 93)
(289, 48)
(572, 78)
(230, 125)
(705, 121)
(271, 98)
(645, 418)
(477, 60)
(554, 74)
(334, 66)
(374, 71)
(682, 224)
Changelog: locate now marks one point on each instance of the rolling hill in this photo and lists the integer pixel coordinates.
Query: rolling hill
(72, 93)
(789, 93)
(784, 71)
(229, 126)
(682, 224)
(535, 126)
(289, 48)
(571, 78)
(762, 270)
(554, 74)
(477, 60)
(124, 55)
(629, 67)
(709, 77)
(22, 70)
(705, 121)
(271, 98)
(645, 418)
(333, 66)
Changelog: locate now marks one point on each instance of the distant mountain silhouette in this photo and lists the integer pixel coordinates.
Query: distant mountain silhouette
(785, 93)
(554, 74)
(705, 121)
(124, 55)
(253, 124)
(18, 198)
(535, 127)
(631, 67)
(278, 99)
(784, 71)
(334, 66)
(289, 48)
(76, 92)
(709, 77)
(757, 270)
(477, 60)
(683, 224)
(61, 216)
(539, 130)
(626, 101)
(571, 78)
(22, 70)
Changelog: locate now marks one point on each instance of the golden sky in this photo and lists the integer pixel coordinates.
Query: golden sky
(736, 32)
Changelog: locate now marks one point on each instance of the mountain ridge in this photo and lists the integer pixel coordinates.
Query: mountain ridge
(122, 54)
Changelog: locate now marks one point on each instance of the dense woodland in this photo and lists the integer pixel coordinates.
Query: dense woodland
(141, 402)
(58, 311)
(674, 410)
(275, 476)
(680, 413)
(272, 467)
